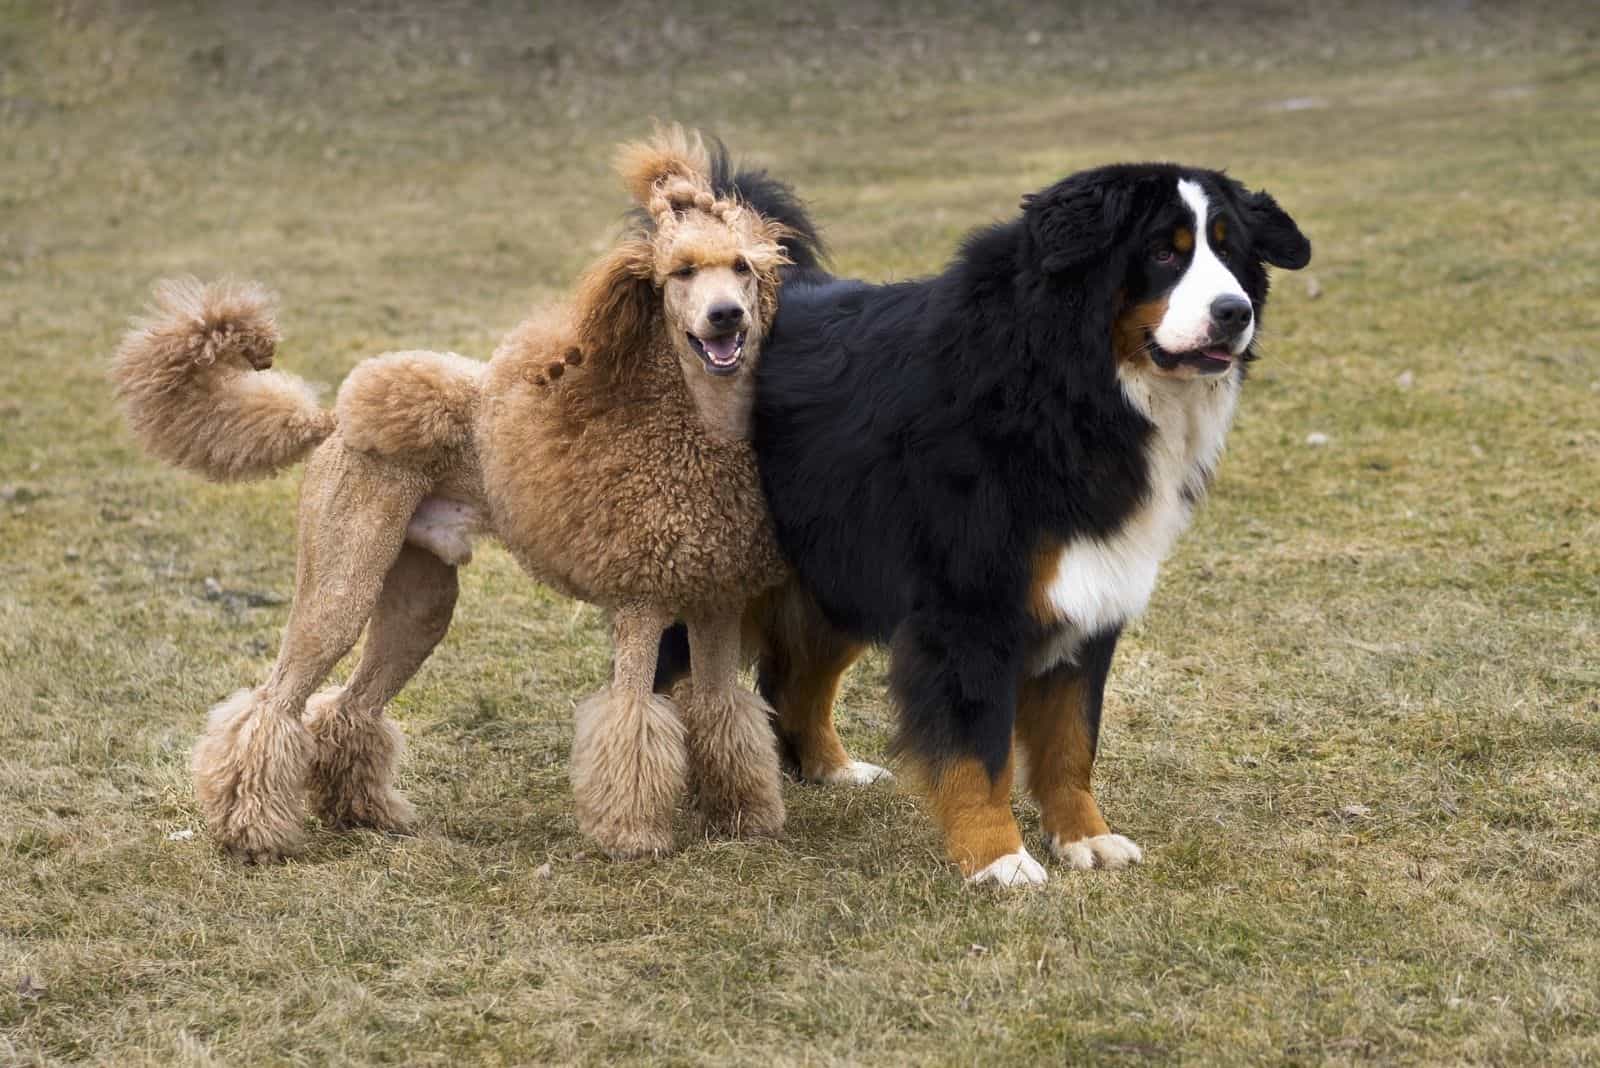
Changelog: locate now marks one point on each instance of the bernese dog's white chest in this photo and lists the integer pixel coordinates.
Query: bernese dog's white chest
(1103, 582)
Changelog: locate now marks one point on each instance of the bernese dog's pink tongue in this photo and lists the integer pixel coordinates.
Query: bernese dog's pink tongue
(721, 349)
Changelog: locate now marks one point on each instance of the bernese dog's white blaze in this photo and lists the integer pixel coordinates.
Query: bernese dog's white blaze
(1013, 869)
(1187, 325)
(1108, 851)
(1105, 582)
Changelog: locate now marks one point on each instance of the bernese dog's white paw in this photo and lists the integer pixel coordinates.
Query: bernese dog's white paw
(1013, 869)
(1109, 851)
(858, 773)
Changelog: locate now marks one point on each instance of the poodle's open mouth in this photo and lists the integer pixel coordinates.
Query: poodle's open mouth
(721, 354)
(1208, 361)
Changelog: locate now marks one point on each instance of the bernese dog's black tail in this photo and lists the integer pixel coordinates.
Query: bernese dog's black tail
(774, 199)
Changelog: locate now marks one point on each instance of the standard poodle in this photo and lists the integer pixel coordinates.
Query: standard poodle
(605, 444)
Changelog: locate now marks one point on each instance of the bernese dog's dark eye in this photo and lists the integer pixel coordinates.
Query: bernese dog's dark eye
(1163, 256)
(741, 266)
(1223, 254)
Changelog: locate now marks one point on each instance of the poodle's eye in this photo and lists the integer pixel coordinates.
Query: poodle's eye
(1163, 256)
(686, 271)
(741, 266)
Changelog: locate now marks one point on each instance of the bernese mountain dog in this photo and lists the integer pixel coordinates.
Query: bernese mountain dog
(984, 470)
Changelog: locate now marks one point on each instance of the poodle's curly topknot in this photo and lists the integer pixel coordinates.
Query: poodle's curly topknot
(672, 152)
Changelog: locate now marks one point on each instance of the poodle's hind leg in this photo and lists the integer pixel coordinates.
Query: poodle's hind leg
(732, 753)
(628, 753)
(250, 765)
(357, 746)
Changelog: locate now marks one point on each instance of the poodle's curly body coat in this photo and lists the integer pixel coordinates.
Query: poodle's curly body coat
(681, 522)
(592, 445)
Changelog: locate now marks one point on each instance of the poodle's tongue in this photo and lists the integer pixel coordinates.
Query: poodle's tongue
(721, 349)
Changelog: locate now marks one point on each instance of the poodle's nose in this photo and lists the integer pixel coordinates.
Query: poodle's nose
(726, 317)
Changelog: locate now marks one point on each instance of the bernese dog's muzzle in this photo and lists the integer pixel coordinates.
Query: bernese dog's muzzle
(1230, 317)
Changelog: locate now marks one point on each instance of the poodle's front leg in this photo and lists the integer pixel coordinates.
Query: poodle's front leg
(733, 758)
(628, 754)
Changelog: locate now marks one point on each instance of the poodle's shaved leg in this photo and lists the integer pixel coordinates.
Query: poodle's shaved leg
(352, 774)
(733, 758)
(628, 753)
(250, 766)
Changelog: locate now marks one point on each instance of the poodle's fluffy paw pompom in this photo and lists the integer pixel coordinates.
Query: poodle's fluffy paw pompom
(249, 776)
(629, 765)
(734, 761)
(351, 782)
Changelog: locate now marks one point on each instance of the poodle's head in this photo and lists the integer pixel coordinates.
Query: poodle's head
(712, 260)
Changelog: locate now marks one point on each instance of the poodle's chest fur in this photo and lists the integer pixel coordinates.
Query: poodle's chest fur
(621, 498)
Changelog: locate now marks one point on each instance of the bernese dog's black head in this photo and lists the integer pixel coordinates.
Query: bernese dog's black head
(1178, 254)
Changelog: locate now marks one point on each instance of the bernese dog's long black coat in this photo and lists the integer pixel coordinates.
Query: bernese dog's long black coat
(983, 470)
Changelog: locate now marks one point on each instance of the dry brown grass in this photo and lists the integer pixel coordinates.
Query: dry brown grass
(1357, 732)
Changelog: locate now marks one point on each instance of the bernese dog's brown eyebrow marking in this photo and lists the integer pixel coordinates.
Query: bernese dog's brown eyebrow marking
(1183, 239)
(1219, 231)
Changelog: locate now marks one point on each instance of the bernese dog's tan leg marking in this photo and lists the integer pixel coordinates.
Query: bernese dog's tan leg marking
(1059, 755)
(805, 719)
(980, 832)
(804, 661)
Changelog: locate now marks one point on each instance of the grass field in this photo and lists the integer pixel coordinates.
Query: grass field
(1358, 732)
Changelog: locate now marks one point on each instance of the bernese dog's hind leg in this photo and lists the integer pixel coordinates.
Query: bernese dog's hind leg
(352, 776)
(1058, 724)
(801, 663)
(954, 679)
(733, 760)
(628, 753)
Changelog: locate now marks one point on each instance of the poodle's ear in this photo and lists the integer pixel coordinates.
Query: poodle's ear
(1079, 220)
(616, 303)
(767, 255)
(672, 152)
(1273, 234)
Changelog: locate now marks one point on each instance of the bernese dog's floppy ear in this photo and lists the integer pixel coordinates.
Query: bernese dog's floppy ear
(1076, 221)
(1274, 235)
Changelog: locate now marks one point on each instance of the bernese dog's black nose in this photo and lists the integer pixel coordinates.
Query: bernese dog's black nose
(731, 316)
(1230, 315)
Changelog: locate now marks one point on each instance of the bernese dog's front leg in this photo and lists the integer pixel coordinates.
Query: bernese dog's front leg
(954, 679)
(973, 809)
(1058, 726)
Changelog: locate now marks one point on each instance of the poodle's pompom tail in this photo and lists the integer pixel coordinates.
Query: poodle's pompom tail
(194, 382)
(672, 152)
